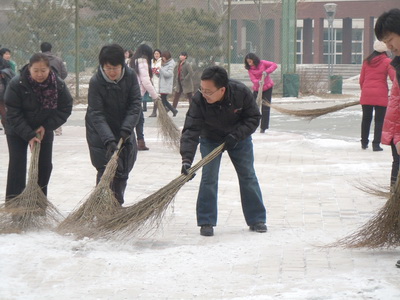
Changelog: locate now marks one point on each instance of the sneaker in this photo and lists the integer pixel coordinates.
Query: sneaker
(398, 264)
(207, 230)
(259, 227)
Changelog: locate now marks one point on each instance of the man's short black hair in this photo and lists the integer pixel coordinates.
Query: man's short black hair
(3, 51)
(388, 22)
(184, 53)
(45, 47)
(112, 54)
(216, 74)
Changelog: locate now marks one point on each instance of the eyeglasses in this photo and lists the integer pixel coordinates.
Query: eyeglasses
(207, 94)
(115, 69)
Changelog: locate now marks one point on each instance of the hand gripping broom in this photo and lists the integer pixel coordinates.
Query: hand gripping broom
(147, 214)
(100, 204)
(31, 209)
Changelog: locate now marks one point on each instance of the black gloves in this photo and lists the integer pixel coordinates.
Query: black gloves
(124, 135)
(185, 169)
(230, 142)
(111, 148)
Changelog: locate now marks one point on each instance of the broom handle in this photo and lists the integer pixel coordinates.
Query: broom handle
(34, 165)
(260, 89)
(213, 154)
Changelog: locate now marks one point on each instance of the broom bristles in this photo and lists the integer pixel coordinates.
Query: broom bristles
(147, 214)
(169, 131)
(311, 113)
(381, 231)
(99, 205)
(31, 209)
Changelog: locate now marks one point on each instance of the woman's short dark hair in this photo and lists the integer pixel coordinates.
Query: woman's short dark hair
(253, 57)
(216, 74)
(38, 57)
(166, 54)
(388, 22)
(112, 54)
(4, 50)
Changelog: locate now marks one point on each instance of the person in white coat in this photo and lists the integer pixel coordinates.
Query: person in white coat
(167, 80)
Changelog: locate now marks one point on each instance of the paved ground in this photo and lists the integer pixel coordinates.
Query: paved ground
(307, 171)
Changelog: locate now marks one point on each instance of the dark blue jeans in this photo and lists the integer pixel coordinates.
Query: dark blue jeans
(242, 158)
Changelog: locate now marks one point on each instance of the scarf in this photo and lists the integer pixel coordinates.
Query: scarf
(45, 91)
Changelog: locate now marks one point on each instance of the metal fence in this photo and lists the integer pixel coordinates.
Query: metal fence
(77, 29)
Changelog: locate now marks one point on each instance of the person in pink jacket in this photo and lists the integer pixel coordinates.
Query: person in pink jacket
(256, 68)
(374, 93)
(141, 63)
(387, 29)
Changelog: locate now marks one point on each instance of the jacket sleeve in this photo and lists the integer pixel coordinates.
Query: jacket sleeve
(362, 76)
(134, 106)
(250, 116)
(15, 115)
(145, 78)
(191, 131)
(64, 108)
(270, 66)
(96, 114)
(63, 70)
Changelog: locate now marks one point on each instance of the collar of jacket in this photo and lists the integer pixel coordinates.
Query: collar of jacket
(108, 79)
(396, 64)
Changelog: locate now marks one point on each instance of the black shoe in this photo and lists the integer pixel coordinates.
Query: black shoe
(364, 147)
(398, 264)
(376, 148)
(207, 230)
(262, 131)
(259, 227)
(175, 113)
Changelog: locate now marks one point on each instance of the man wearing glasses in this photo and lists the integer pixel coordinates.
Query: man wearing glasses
(223, 111)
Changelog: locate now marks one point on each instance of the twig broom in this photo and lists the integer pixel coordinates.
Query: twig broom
(169, 131)
(311, 113)
(147, 214)
(382, 230)
(99, 205)
(31, 209)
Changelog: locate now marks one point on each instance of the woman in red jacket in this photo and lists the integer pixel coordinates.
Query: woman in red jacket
(256, 68)
(374, 93)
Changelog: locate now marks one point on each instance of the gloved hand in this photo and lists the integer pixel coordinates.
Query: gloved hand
(265, 74)
(185, 169)
(230, 142)
(111, 148)
(124, 135)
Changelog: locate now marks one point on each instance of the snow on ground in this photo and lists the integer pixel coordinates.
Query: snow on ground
(308, 183)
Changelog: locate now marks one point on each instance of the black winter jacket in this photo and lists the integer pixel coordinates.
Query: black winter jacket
(112, 107)
(237, 114)
(25, 113)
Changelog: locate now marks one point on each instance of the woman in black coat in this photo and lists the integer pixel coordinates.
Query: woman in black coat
(37, 102)
(114, 107)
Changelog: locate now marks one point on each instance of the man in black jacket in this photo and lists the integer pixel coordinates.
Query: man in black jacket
(223, 111)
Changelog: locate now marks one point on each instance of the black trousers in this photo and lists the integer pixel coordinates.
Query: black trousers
(165, 102)
(395, 165)
(140, 127)
(380, 112)
(265, 110)
(17, 149)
